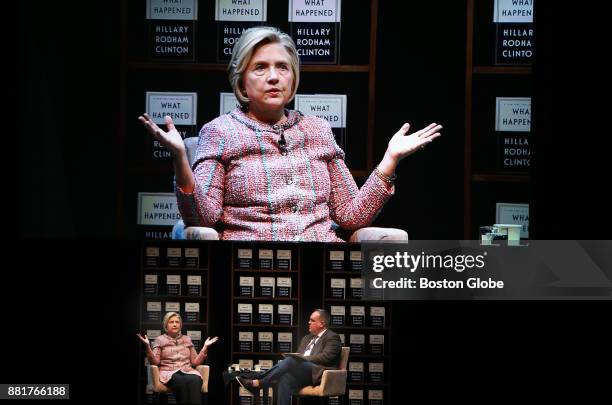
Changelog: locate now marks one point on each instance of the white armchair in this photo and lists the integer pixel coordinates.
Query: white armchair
(160, 388)
(333, 382)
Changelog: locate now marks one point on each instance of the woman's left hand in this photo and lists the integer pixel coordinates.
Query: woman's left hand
(210, 341)
(402, 145)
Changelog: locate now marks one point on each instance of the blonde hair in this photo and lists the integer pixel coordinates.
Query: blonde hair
(247, 44)
(167, 319)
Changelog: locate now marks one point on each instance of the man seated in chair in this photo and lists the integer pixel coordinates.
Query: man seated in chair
(320, 351)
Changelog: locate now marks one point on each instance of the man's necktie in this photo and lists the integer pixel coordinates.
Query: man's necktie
(311, 344)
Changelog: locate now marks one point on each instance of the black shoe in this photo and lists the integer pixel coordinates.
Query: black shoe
(248, 385)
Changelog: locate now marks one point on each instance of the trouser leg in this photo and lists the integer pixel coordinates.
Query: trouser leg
(177, 386)
(274, 373)
(287, 385)
(291, 375)
(184, 387)
(194, 389)
(301, 369)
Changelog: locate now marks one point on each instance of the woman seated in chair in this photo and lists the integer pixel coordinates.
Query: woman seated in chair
(267, 173)
(175, 355)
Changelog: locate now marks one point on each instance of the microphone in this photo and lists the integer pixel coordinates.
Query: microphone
(282, 143)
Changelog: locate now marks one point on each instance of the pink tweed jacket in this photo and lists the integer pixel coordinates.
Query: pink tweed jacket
(172, 357)
(257, 190)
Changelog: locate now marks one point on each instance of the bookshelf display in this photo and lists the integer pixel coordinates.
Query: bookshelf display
(497, 159)
(363, 325)
(265, 302)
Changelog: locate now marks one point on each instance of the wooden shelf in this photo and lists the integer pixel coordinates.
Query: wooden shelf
(505, 178)
(502, 70)
(368, 328)
(222, 67)
(357, 300)
(258, 353)
(349, 300)
(369, 356)
(343, 272)
(265, 299)
(263, 325)
(266, 271)
(367, 384)
(145, 268)
(164, 297)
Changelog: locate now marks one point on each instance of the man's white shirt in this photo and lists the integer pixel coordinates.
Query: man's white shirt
(313, 342)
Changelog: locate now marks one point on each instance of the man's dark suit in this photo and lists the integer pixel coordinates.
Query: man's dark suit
(292, 374)
(325, 354)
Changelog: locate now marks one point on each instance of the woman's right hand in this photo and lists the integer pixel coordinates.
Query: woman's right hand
(171, 139)
(144, 339)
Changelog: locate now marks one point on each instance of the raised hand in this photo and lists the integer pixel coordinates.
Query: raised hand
(402, 145)
(171, 138)
(144, 339)
(209, 341)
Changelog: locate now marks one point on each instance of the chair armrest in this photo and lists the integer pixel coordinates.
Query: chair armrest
(333, 382)
(154, 373)
(372, 233)
(201, 233)
(204, 372)
(157, 385)
(180, 232)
